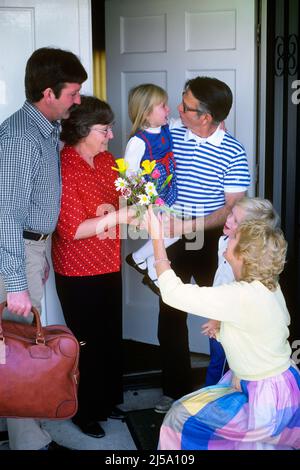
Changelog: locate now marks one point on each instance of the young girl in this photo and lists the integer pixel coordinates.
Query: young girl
(150, 139)
(244, 209)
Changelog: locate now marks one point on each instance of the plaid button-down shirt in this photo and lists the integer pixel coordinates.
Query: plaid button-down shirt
(30, 187)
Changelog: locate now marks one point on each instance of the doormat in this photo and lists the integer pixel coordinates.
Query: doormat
(144, 426)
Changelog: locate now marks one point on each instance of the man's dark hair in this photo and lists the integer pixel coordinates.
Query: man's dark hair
(91, 111)
(215, 97)
(51, 68)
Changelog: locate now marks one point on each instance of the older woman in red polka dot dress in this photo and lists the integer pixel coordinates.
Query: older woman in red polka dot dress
(86, 259)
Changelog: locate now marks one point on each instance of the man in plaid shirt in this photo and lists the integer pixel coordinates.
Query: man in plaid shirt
(30, 190)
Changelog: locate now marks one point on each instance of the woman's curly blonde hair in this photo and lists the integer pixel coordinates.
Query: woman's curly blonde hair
(263, 250)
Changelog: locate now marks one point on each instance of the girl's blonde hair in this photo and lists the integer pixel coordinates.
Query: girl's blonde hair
(263, 250)
(259, 209)
(141, 100)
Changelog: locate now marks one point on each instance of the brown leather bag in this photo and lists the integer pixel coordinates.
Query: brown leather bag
(38, 370)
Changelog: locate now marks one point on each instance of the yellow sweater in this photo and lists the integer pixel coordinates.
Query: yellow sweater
(254, 328)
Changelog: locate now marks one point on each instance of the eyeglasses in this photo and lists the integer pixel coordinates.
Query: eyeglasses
(186, 108)
(103, 131)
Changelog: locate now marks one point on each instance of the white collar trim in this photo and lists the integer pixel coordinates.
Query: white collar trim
(215, 139)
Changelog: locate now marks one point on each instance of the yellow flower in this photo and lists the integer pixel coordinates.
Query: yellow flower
(121, 164)
(148, 167)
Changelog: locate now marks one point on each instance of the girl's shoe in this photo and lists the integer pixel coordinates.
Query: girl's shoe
(137, 266)
(151, 284)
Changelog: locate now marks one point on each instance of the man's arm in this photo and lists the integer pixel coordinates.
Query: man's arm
(218, 218)
(15, 190)
(174, 227)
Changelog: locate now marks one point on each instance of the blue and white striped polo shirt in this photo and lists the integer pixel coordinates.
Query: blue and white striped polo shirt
(207, 169)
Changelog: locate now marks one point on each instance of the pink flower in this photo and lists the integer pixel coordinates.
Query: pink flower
(155, 174)
(126, 192)
(159, 202)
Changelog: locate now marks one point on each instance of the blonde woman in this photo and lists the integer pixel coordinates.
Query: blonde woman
(256, 403)
(150, 139)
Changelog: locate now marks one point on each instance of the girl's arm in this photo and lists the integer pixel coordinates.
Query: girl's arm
(134, 152)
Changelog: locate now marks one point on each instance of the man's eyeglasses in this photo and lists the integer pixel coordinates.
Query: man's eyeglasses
(103, 131)
(186, 108)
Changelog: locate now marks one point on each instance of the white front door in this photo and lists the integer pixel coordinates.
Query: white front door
(166, 42)
(26, 25)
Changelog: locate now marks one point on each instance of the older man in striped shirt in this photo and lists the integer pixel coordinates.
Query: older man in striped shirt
(30, 190)
(212, 174)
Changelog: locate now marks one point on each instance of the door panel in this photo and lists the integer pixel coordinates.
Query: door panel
(166, 42)
(26, 25)
(16, 31)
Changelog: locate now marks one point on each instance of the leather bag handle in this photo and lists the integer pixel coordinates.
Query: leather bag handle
(39, 337)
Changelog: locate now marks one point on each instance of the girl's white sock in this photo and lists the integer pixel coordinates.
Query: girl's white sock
(140, 261)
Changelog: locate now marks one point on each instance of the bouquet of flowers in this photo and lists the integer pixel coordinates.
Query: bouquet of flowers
(140, 187)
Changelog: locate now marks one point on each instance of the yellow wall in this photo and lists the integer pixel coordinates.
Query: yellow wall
(99, 72)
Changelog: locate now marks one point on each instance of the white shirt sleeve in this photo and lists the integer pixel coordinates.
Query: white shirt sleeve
(175, 123)
(235, 189)
(134, 152)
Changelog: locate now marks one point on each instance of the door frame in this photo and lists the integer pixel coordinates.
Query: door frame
(279, 139)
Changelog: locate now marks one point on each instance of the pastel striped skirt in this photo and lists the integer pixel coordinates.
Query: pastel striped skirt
(265, 415)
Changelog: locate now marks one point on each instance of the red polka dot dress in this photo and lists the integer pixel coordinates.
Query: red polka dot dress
(89, 283)
(86, 193)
